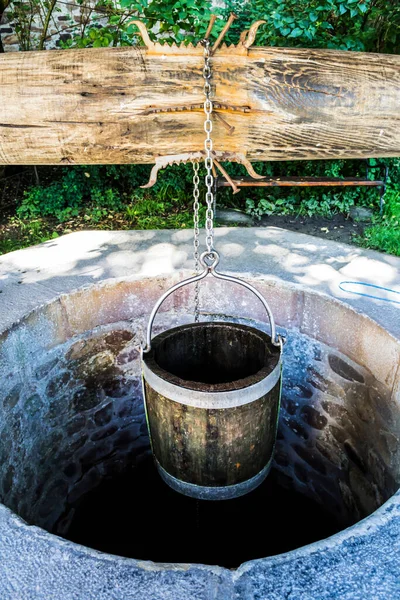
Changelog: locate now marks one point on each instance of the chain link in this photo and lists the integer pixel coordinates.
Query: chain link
(209, 181)
(196, 243)
(208, 146)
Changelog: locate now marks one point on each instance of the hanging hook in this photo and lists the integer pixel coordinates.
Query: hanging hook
(144, 33)
(243, 37)
(175, 159)
(234, 187)
(249, 41)
(247, 37)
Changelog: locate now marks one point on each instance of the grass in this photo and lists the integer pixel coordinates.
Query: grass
(17, 233)
(384, 234)
(380, 237)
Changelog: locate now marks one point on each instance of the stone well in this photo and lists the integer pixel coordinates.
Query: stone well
(72, 416)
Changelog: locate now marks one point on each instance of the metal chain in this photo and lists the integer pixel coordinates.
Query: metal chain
(196, 243)
(208, 146)
(209, 181)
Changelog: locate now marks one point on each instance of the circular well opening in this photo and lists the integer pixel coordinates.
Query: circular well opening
(75, 457)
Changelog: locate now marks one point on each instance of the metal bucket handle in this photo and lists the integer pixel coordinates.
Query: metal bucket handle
(210, 260)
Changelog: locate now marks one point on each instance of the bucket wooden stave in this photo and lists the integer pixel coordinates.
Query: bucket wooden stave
(212, 395)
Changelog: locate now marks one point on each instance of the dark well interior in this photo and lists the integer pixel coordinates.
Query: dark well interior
(213, 353)
(165, 526)
(75, 457)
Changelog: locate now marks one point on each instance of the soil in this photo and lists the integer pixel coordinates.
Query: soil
(337, 228)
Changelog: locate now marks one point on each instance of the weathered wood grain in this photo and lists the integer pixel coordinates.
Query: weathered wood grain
(212, 445)
(96, 105)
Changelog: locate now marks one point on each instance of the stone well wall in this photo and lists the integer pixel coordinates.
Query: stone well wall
(72, 410)
(69, 419)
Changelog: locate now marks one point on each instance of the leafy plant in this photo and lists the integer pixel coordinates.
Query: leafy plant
(385, 232)
(26, 233)
(102, 192)
(106, 22)
(175, 21)
(26, 16)
(371, 25)
(380, 237)
(168, 21)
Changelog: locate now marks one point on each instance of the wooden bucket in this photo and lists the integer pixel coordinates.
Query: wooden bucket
(212, 394)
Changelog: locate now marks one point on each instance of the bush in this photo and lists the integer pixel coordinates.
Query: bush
(97, 190)
(63, 199)
(100, 190)
(369, 25)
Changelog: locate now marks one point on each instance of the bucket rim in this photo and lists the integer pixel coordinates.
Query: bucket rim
(207, 395)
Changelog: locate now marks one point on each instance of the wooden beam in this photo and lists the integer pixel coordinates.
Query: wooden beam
(131, 105)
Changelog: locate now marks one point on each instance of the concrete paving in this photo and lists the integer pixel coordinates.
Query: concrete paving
(35, 275)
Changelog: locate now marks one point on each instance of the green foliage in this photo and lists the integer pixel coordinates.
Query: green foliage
(371, 25)
(24, 234)
(175, 21)
(307, 201)
(384, 234)
(63, 199)
(100, 192)
(380, 237)
(106, 22)
(152, 214)
(97, 189)
(167, 21)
